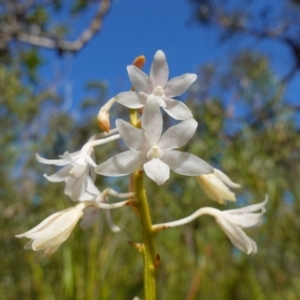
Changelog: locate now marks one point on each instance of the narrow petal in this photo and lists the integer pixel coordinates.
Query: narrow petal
(91, 188)
(157, 170)
(60, 175)
(178, 135)
(223, 177)
(159, 71)
(133, 138)
(79, 187)
(152, 121)
(131, 99)
(57, 162)
(237, 236)
(39, 227)
(185, 163)
(177, 110)
(139, 79)
(121, 164)
(250, 208)
(178, 85)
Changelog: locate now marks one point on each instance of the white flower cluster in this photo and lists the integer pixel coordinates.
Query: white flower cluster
(150, 150)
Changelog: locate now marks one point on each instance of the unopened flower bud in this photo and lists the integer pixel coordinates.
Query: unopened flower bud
(103, 115)
(215, 186)
(139, 61)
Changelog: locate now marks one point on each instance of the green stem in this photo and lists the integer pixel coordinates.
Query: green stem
(148, 248)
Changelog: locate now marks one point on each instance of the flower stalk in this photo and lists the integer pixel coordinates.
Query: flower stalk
(148, 247)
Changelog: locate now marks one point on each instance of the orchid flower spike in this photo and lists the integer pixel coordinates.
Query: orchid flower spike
(77, 167)
(156, 86)
(46, 237)
(153, 151)
(215, 186)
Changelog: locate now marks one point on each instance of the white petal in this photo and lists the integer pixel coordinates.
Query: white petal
(40, 227)
(57, 162)
(57, 232)
(161, 102)
(139, 79)
(178, 85)
(246, 220)
(131, 99)
(88, 158)
(223, 177)
(60, 175)
(69, 186)
(178, 135)
(157, 170)
(186, 163)
(121, 164)
(177, 110)
(237, 236)
(152, 121)
(91, 188)
(134, 138)
(159, 71)
(79, 187)
(78, 171)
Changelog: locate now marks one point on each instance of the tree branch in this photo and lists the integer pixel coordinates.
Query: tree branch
(57, 43)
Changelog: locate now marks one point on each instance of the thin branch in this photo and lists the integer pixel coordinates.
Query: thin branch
(63, 45)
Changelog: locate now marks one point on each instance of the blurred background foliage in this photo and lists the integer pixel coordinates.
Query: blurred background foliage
(247, 128)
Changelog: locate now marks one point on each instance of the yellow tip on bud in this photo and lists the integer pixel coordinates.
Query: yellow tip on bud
(139, 61)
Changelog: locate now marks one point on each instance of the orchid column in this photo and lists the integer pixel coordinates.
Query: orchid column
(151, 151)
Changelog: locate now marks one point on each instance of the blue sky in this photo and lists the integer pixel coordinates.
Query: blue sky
(133, 27)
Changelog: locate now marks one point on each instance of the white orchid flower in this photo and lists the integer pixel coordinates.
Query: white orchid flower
(215, 186)
(46, 237)
(156, 86)
(231, 221)
(153, 151)
(77, 167)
